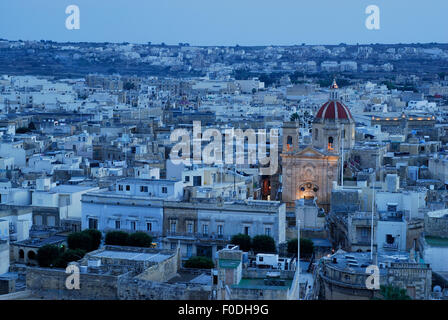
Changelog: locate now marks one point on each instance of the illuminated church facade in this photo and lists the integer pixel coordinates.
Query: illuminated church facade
(308, 172)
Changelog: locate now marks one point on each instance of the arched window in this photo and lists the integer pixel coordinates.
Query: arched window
(316, 134)
(330, 143)
(31, 255)
(289, 143)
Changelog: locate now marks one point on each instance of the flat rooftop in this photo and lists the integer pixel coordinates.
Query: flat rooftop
(259, 283)
(436, 241)
(128, 255)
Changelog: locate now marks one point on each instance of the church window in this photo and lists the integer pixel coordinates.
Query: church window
(330, 143)
(289, 143)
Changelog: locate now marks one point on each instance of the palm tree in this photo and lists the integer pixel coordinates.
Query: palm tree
(295, 117)
(393, 293)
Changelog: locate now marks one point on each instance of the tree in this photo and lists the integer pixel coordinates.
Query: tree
(242, 240)
(140, 239)
(199, 263)
(22, 130)
(48, 255)
(117, 238)
(128, 86)
(87, 240)
(31, 126)
(390, 292)
(306, 247)
(95, 238)
(294, 117)
(263, 244)
(79, 240)
(73, 255)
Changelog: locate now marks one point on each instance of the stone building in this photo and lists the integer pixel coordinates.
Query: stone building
(238, 282)
(123, 273)
(343, 276)
(206, 226)
(309, 171)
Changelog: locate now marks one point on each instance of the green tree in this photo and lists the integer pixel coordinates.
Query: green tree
(117, 238)
(48, 255)
(242, 240)
(95, 238)
(140, 239)
(128, 86)
(73, 255)
(199, 263)
(390, 292)
(306, 247)
(87, 240)
(263, 244)
(294, 117)
(79, 240)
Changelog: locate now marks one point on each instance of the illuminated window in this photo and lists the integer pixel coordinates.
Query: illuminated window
(330, 143)
(289, 143)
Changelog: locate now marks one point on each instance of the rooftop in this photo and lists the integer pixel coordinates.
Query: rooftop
(260, 283)
(436, 241)
(127, 255)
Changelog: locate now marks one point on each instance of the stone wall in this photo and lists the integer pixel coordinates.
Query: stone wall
(129, 289)
(50, 284)
(4, 256)
(436, 227)
(161, 271)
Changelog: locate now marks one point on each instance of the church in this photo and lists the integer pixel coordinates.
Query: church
(308, 171)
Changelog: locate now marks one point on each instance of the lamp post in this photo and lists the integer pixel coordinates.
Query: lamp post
(298, 257)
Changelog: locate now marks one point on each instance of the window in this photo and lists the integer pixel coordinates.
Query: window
(246, 230)
(330, 143)
(220, 229)
(316, 134)
(149, 226)
(173, 245)
(205, 229)
(189, 250)
(143, 188)
(117, 224)
(267, 231)
(93, 223)
(190, 227)
(187, 178)
(128, 187)
(164, 190)
(197, 181)
(133, 225)
(173, 226)
(289, 143)
(390, 239)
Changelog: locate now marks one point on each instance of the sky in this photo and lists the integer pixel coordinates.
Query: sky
(226, 22)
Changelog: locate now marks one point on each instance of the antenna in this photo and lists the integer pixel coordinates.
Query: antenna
(373, 210)
(342, 156)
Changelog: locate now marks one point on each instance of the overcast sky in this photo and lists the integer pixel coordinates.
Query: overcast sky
(227, 22)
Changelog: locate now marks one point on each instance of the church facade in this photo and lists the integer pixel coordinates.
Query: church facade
(308, 172)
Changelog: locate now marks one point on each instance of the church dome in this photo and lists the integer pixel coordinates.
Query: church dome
(334, 110)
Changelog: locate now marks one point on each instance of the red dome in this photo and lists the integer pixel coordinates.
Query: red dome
(334, 110)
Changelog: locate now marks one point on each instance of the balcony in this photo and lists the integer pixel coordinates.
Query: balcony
(197, 236)
(390, 246)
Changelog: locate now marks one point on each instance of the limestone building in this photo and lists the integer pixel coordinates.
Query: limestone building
(309, 171)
